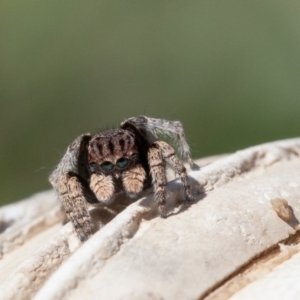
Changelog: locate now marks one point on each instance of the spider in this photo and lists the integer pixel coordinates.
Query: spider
(131, 159)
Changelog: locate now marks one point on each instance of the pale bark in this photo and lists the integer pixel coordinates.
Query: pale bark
(239, 240)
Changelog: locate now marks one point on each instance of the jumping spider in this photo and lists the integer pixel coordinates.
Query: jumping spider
(95, 168)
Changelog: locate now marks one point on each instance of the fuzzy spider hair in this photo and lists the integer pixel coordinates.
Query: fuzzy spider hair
(131, 159)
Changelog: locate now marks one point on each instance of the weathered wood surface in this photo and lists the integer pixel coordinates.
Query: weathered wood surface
(238, 240)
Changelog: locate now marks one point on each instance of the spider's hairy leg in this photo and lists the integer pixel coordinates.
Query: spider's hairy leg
(103, 187)
(159, 178)
(69, 188)
(133, 180)
(169, 156)
(156, 128)
(73, 201)
(69, 162)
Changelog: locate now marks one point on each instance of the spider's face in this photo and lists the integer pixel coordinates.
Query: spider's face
(112, 152)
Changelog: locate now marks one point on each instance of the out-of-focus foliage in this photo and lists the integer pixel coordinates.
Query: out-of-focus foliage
(229, 70)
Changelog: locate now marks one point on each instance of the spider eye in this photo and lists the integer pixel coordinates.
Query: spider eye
(122, 162)
(107, 166)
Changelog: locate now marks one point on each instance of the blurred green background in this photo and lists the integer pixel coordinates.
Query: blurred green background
(229, 70)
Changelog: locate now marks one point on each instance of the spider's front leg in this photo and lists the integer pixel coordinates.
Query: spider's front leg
(159, 178)
(71, 194)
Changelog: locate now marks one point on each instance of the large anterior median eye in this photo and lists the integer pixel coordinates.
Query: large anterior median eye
(122, 162)
(107, 166)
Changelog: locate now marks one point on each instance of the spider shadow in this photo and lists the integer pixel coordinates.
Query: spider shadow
(175, 206)
(5, 224)
(198, 193)
(102, 215)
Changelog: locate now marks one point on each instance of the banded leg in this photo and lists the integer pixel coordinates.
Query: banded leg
(169, 156)
(159, 178)
(133, 180)
(71, 194)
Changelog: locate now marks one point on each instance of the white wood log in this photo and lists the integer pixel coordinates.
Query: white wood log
(239, 240)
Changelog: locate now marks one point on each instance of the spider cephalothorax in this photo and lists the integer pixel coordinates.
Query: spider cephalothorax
(114, 162)
(95, 168)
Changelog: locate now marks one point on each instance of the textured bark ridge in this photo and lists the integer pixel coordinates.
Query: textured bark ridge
(239, 240)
